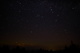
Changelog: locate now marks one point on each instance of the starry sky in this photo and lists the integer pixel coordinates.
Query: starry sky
(44, 23)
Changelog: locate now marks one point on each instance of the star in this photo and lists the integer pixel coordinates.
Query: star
(42, 17)
(36, 25)
(65, 30)
(52, 12)
(19, 11)
(56, 20)
(73, 8)
(19, 2)
(58, 15)
(31, 31)
(27, 21)
(38, 15)
(51, 9)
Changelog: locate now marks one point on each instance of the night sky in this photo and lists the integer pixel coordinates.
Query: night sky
(44, 23)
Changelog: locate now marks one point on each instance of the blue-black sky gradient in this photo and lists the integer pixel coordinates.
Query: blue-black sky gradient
(45, 23)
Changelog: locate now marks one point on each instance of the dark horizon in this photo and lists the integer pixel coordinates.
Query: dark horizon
(33, 47)
(67, 49)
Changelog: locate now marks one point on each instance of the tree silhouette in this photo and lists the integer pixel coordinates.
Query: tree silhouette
(72, 48)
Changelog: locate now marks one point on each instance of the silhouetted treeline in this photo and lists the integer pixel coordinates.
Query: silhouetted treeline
(73, 48)
(70, 49)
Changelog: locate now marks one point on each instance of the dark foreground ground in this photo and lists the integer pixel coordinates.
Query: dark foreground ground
(71, 49)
